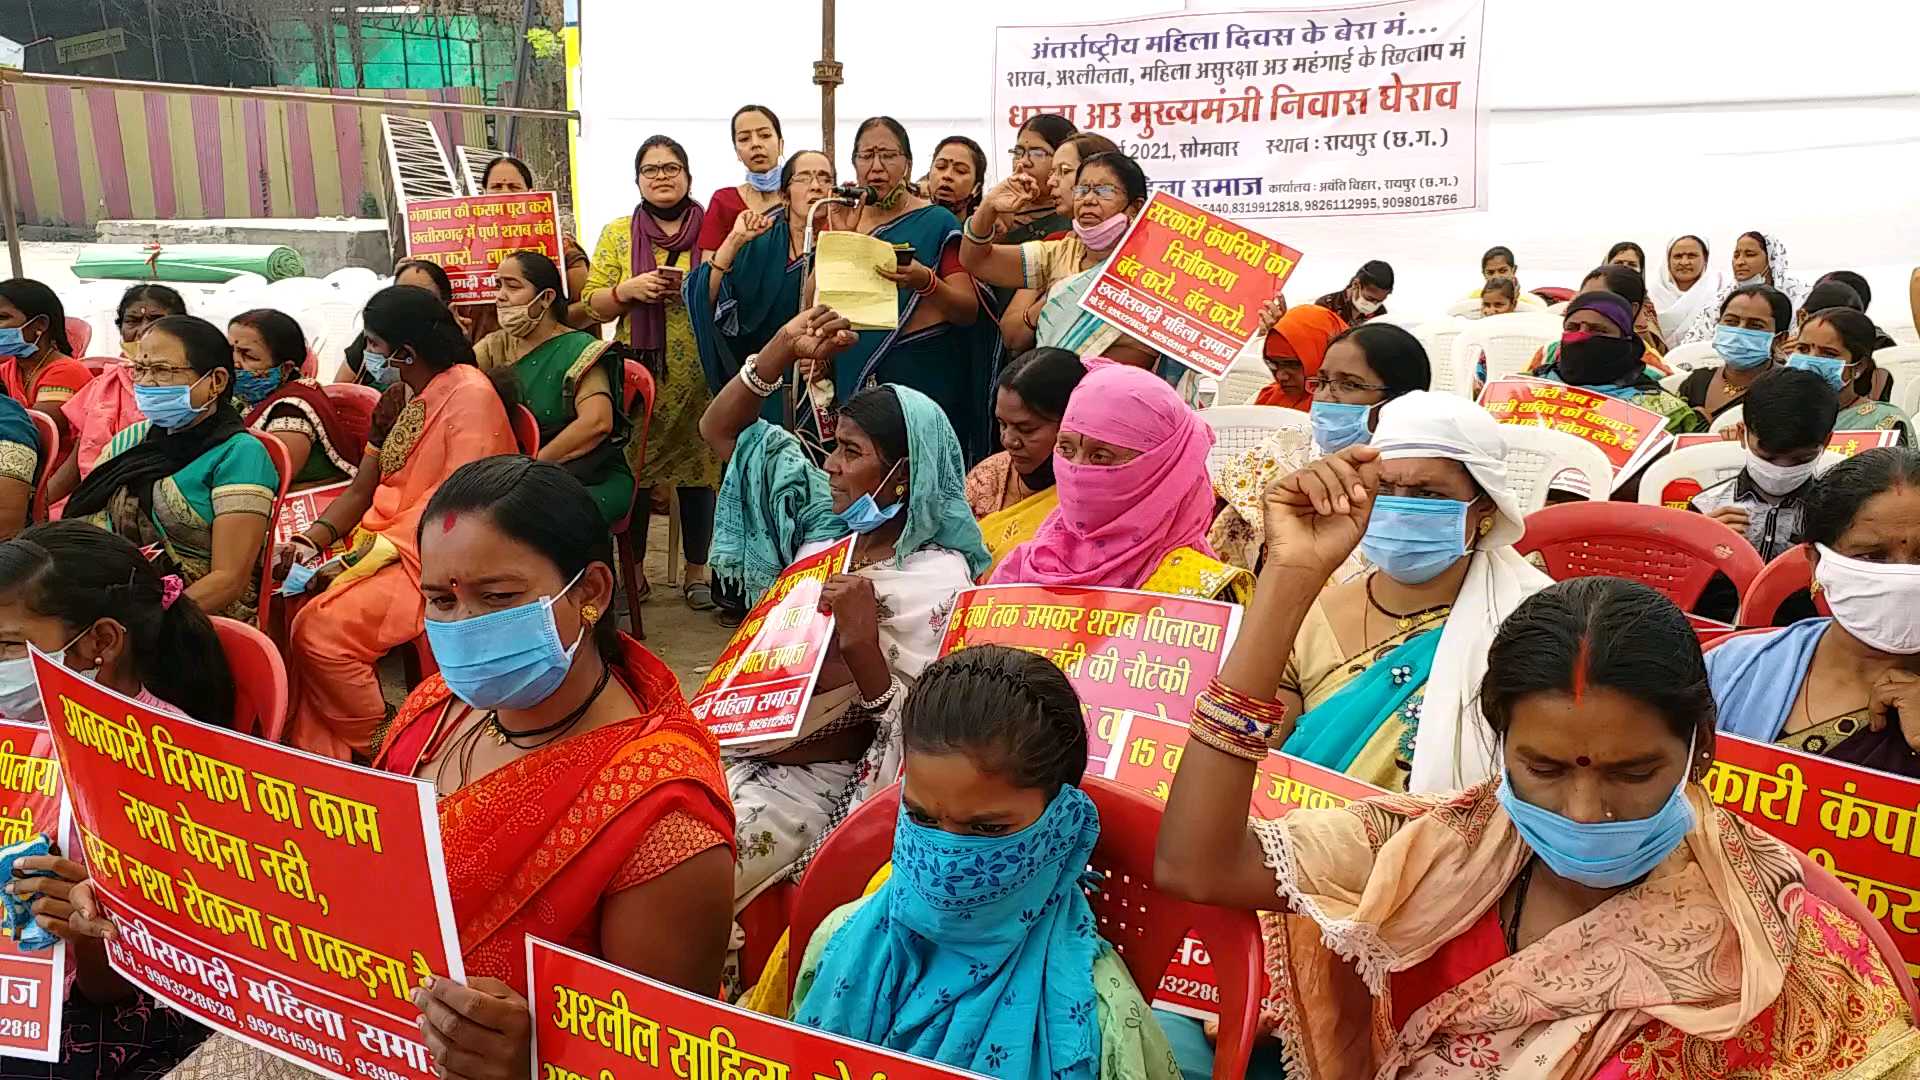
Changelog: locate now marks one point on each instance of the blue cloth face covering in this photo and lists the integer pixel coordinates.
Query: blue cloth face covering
(864, 515)
(169, 407)
(1413, 540)
(1827, 367)
(978, 952)
(255, 387)
(1743, 348)
(1337, 426)
(1601, 854)
(508, 659)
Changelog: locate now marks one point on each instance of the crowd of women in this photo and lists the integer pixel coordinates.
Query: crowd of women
(1546, 891)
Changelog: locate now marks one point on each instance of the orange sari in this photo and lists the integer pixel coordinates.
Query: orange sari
(339, 635)
(535, 846)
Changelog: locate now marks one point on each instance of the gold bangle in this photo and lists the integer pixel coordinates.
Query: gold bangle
(1228, 746)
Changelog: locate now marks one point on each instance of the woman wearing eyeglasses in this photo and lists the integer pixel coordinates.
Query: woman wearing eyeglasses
(932, 348)
(637, 270)
(1033, 154)
(1053, 274)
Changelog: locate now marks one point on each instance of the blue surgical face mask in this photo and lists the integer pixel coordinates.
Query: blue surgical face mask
(764, 182)
(20, 692)
(13, 342)
(1742, 348)
(508, 659)
(169, 407)
(1601, 854)
(376, 365)
(1827, 367)
(1337, 426)
(865, 515)
(1413, 540)
(299, 576)
(256, 387)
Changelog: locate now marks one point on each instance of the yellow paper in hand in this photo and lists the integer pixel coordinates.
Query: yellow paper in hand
(847, 279)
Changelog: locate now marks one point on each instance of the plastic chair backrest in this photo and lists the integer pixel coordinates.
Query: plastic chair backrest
(1707, 463)
(1244, 380)
(1511, 340)
(636, 387)
(354, 404)
(50, 448)
(283, 465)
(1437, 338)
(1145, 927)
(259, 679)
(1672, 383)
(1468, 308)
(1238, 428)
(1902, 363)
(1735, 415)
(1693, 356)
(98, 364)
(526, 430)
(1536, 455)
(1674, 551)
(1827, 887)
(79, 334)
(1789, 574)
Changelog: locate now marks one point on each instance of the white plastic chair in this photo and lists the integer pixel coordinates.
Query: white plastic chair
(1672, 383)
(1693, 356)
(1511, 340)
(1465, 309)
(1727, 419)
(1237, 428)
(1437, 338)
(334, 325)
(1902, 362)
(1706, 464)
(1245, 377)
(359, 280)
(1537, 454)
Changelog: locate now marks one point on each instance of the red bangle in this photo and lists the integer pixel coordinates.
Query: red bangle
(933, 282)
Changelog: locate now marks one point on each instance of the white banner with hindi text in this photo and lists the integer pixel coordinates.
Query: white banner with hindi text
(1361, 109)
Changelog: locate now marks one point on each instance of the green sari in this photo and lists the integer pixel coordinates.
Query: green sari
(549, 379)
(236, 476)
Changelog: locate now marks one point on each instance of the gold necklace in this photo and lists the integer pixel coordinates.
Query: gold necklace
(1411, 619)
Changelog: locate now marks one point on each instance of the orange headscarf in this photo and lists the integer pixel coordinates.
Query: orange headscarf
(1305, 331)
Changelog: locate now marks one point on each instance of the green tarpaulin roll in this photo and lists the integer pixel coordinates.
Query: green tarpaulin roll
(207, 263)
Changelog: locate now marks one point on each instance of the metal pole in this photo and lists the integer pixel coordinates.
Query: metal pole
(8, 197)
(383, 104)
(827, 75)
(522, 61)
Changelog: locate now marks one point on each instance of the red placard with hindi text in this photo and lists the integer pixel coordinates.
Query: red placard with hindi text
(290, 901)
(1190, 283)
(32, 984)
(1860, 824)
(1120, 648)
(300, 509)
(594, 1021)
(1146, 755)
(1844, 443)
(1629, 435)
(470, 234)
(758, 689)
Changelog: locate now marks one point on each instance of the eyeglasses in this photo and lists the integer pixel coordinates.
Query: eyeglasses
(152, 374)
(884, 157)
(662, 172)
(1344, 385)
(1031, 153)
(134, 318)
(1099, 191)
(813, 178)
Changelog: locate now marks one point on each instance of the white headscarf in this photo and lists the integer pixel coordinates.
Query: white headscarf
(1453, 747)
(1677, 307)
(1704, 320)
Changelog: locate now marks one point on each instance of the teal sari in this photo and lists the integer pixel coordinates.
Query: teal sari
(758, 296)
(1333, 735)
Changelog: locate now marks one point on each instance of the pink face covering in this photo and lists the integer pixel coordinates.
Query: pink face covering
(1115, 524)
(1102, 237)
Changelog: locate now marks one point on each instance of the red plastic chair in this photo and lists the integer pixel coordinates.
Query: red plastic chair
(79, 334)
(526, 430)
(354, 404)
(1145, 927)
(49, 433)
(259, 680)
(762, 922)
(1674, 551)
(1789, 574)
(636, 386)
(283, 465)
(1827, 887)
(98, 364)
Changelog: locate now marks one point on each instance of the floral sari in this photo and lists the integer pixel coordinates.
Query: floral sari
(1722, 963)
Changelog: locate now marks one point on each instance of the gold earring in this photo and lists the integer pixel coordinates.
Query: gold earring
(899, 489)
(1486, 525)
(1814, 589)
(589, 614)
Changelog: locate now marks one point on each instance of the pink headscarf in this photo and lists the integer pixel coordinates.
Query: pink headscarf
(1116, 523)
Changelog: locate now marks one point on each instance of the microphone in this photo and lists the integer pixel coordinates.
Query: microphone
(855, 192)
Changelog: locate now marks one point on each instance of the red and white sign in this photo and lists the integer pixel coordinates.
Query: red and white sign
(290, 901)
(1190, 283)
(300, 509)
(33, 985)
(470, 234)
(1629, 435)
(759, 687)
(594, 1021)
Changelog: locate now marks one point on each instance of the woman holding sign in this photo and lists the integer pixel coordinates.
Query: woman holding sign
(980, 950)
(1599, 352)
(1591, 914)
(894, 480)
(1845, 686)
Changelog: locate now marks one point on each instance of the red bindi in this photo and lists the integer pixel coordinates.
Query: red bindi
(1583, 761)
(446, 523)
